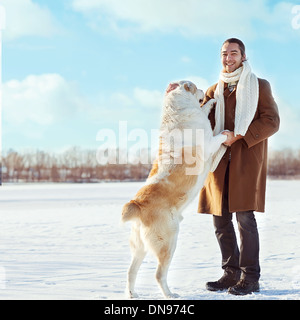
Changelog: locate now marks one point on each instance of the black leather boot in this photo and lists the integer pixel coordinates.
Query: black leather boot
(244, 287)
(229, 279)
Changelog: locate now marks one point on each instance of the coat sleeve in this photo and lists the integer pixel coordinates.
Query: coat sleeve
(266, 121)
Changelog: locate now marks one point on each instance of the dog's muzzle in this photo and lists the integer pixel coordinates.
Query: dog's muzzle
(171, 87)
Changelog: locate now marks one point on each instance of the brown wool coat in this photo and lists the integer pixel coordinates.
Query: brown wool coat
(248, 165)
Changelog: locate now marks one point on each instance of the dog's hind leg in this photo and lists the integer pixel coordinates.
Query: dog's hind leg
(165, 255)
(138, 254)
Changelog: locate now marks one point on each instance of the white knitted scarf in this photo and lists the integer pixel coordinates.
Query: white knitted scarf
(246, 104)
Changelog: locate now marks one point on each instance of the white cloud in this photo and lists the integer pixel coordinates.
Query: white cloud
(27, 18)
(190, 18)
(119, 99)
(148, 98)
(186, 59)
(138, 106)
(39, 101)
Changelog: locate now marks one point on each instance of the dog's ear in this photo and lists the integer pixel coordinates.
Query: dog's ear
(189, 86)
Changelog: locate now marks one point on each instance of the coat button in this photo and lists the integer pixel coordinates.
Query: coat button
(257, 135)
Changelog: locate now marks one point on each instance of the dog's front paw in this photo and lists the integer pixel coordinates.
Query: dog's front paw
(208, 106)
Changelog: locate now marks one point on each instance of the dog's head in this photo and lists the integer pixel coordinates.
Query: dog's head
(184, 90)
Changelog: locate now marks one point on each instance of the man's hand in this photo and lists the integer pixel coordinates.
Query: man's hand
(231, 138)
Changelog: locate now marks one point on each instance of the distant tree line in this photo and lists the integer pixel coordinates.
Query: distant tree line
(284, 163)
(77, 165)
(73, 165)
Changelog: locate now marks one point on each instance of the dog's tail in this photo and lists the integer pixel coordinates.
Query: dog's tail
(131, 210)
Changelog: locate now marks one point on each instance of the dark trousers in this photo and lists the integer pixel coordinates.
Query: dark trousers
(247, 258)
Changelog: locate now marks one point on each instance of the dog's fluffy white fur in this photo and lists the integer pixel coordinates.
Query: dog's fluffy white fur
(177, 176)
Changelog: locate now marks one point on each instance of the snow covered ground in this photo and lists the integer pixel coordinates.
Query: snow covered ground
(64, 241)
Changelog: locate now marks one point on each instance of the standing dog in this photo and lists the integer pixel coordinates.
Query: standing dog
(177, 175)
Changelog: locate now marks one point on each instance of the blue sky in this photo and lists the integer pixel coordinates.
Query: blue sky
(73, 67)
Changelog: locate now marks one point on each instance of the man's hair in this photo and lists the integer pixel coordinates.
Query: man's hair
(239, 42)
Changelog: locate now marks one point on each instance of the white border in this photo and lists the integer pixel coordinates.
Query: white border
(2, 27)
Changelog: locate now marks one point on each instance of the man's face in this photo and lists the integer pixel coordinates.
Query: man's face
(231, 57)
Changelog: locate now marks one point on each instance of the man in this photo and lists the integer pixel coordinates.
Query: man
(237, 181)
